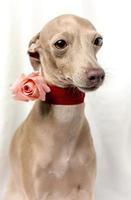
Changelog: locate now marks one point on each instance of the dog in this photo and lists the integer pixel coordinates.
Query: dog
(52, 152)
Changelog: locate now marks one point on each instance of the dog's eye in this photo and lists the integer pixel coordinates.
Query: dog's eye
(60, 44)
(98, 41)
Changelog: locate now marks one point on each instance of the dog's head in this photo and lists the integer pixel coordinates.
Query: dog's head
(65, 49)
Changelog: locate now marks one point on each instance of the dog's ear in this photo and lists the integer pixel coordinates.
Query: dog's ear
(33, 52)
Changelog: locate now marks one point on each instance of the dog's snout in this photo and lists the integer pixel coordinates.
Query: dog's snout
(95, 76)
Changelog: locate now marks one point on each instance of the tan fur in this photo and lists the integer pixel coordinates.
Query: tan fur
(52, 153)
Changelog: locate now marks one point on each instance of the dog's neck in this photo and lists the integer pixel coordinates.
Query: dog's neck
(64, 96)
(65, 107)
(61, 124)
(63, 117)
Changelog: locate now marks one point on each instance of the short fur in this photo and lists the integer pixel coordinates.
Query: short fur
(52, 152)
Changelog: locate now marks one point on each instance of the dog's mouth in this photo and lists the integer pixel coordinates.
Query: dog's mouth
(88, 89)
(91, 87)
(70, 83)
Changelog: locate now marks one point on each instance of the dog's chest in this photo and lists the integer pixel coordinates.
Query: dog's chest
(64, 156)
(59, 139)
(65, 174)
(61, 162)
(60, 165)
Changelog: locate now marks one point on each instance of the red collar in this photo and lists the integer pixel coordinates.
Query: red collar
(64, 96)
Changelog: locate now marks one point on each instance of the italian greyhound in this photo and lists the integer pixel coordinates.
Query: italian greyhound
(52, 152)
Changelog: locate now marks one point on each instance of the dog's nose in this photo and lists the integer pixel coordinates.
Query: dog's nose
(95, 76)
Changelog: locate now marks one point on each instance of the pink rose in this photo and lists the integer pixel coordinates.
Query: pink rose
(30, 87)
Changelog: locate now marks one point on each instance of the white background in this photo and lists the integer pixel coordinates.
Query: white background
(108, 109)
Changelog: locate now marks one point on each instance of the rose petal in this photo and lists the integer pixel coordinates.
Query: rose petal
(37, 87)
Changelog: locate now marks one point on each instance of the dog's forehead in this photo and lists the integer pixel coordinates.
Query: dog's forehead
(65, 23)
